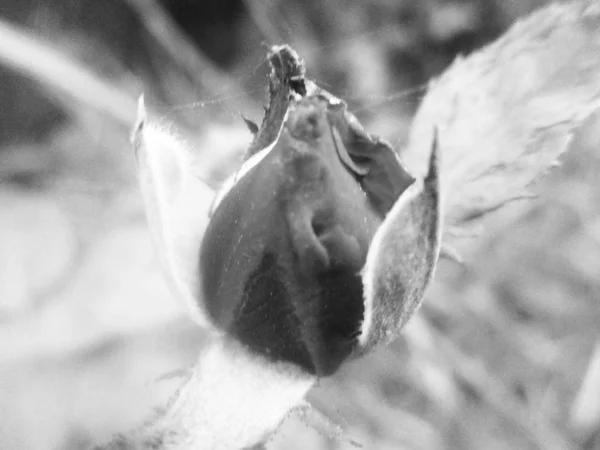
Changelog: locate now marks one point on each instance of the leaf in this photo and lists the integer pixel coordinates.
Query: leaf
(177, 204)
(508, 112)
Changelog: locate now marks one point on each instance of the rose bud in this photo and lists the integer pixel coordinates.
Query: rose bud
(316, 250)
(282, 256)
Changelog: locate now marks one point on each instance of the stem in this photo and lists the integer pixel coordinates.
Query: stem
(231, 400)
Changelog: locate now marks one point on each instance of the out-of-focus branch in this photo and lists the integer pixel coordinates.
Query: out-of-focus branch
(474, 374)
(44, 63)
(585, 413)
(259, 11)
(197, 67)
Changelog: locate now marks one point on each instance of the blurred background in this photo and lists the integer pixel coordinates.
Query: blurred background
(505, 352)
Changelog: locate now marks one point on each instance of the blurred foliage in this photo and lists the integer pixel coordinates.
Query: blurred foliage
(504, 354)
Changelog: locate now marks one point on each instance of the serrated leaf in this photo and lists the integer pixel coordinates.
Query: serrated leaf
(509, 111)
